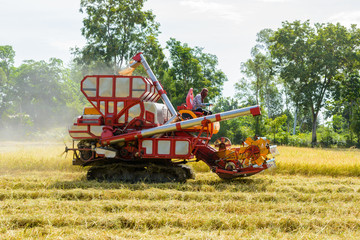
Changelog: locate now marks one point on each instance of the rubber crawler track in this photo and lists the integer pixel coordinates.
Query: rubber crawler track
(152, 173)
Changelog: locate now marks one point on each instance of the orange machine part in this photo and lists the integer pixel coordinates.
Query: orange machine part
(91, 111)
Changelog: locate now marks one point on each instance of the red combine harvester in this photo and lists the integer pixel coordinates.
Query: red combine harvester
(127, 136)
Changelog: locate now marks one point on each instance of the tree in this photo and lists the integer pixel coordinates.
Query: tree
(276, 124)
(344, 104)
(215, 78)
(260, 74)
(350, 100)
(3, 80)
(3, 77)
(260, 86)
(115, 31)
(192, 68)
(260, 67)
(7, 55)
(309, 60)
(257, 68)
(355, 123)
(155, 57)
(38, 94)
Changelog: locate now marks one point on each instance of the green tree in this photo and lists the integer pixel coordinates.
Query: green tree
(213, 76)
(350, 101)
(260, 76)
(260, 86)
(38, 94)
(3, 77)
(192, 68)
(309, 60)
(7, 55)
(258, 69)
(115, 31)
(155, 57)
(343, 106)
(3, 80)
(355, 123)
(276, 124)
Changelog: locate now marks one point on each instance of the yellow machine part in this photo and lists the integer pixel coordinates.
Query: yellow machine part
(91, 111)
(262, 145)
(240, 153)
(215, 125)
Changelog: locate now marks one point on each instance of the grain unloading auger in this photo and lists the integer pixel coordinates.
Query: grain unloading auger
(127, 136)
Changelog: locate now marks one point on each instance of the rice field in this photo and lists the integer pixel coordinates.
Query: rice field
(312, 194)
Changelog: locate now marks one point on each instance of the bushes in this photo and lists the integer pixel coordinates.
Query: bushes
(299, 140)
(326, 138)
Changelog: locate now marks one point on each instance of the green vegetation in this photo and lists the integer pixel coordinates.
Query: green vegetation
(315, 70)
(115, 31)
(43, 197)
(192, 68)
(306, 72)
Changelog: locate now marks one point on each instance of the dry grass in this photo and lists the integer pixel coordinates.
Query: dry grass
(43, 197)
(330, 162)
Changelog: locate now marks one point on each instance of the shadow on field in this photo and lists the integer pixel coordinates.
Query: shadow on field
(235, 185)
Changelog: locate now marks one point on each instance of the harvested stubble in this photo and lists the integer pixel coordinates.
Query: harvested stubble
(43, 196)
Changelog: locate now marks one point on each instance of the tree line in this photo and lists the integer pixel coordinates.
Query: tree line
(304, 76)
(304, 71)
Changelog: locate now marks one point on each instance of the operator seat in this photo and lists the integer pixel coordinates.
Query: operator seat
(190, 99)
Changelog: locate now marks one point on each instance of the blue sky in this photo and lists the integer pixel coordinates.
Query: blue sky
(41, 29)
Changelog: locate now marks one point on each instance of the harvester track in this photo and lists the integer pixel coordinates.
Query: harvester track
(152, 173)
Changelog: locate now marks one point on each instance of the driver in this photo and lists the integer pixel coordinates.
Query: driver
(199, 102)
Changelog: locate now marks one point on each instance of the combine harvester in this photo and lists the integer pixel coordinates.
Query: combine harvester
(127, 136)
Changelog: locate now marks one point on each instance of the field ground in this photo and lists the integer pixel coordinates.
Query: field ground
(314, 193)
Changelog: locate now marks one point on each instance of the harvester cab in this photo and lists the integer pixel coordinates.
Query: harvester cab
(186, 109)
(128, 136)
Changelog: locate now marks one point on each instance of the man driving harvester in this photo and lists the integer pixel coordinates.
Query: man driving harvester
(199, 102)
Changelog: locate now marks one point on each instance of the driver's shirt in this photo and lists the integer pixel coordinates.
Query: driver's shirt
(197, 102)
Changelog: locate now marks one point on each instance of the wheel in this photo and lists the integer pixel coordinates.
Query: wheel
(252, 152)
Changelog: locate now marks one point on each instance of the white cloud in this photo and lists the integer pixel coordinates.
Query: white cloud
(346, 18)
(224, 11)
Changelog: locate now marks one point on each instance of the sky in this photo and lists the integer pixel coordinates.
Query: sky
(41, 29)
